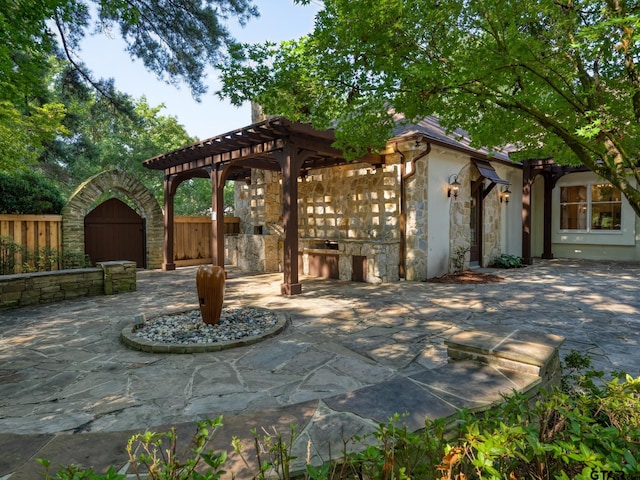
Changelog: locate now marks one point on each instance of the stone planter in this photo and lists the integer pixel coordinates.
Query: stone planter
(210, 281)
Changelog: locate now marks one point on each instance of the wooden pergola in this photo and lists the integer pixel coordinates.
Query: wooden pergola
(551, 172)
(275, 144)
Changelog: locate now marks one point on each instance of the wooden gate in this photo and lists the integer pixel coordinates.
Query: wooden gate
(114, 231)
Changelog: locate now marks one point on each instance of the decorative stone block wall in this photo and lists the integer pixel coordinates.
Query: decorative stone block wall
(259, 205)
(350, 202)
(46, 287)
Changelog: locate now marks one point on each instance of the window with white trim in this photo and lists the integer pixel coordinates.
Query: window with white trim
(590, 207)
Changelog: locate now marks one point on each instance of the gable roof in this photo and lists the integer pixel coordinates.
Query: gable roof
(459, 139)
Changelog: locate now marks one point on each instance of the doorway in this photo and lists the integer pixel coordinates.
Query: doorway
(475, 223)
(114, 231)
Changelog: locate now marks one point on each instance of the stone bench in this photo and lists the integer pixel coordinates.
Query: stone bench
(518, 350)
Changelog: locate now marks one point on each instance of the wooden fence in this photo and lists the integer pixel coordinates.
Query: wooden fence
(35, 243)
(192, 239)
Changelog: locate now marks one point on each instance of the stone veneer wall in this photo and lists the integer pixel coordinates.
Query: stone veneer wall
(492, 245)
(254, 253)
(461, 212)
(106, 278)
(83, 199)
(417, 216)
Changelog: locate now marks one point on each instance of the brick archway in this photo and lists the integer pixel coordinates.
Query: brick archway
(85, 196)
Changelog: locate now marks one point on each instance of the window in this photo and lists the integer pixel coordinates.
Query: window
(590, 207)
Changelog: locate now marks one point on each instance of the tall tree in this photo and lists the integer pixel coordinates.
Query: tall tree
(175, 39)
(103, 136)
(555, 78)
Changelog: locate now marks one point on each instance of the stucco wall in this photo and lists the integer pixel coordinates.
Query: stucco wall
(594, 245)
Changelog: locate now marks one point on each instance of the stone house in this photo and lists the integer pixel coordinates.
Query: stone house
(403, 213)
(430, 196)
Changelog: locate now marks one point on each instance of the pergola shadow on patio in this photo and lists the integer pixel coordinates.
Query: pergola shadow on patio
(275, 144)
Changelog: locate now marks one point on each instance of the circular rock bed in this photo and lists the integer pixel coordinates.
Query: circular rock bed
(185, 332)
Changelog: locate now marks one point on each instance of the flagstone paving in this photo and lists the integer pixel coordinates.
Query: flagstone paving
(352, 355)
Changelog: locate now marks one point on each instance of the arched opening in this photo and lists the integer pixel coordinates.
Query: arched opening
(86, 195)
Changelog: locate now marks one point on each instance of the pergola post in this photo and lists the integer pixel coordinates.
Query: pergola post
(290, 164)
(546, 243)
(527, 182)
(169, 192)
(217, 216)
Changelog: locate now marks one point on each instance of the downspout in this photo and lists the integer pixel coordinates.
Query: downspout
(402, 267)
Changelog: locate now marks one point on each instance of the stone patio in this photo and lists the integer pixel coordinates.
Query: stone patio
(353, 355)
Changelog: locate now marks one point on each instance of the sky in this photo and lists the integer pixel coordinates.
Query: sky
(106, 58)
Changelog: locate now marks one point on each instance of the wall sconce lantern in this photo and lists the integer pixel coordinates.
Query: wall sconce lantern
(505, 195)
(454, 186)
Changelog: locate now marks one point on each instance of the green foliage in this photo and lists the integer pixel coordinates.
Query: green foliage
(74, 472)
(71, 259)
(400, 454)
(9, 251)
(273, 453)
(22, 136)
(152, 459)
(557, 79)
(177, 40)
(156, 456)
(40, 260)
(459, 259)
(103, 137)
(26, 192)
(53, 109)
(507, 261)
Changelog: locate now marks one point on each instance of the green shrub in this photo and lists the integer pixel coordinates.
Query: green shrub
(9, 250)
(155, 456)
(27, 192)
(507, 261)
(459, 258)
(40, 260)
(75, 259)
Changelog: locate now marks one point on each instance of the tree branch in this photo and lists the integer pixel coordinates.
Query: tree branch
(78, 68)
